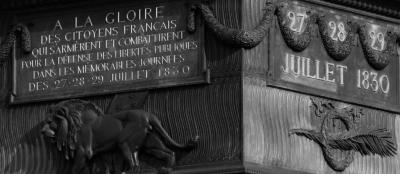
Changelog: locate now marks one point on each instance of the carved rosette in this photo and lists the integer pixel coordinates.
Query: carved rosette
(295, 24)
(337, 34)
(378, 44)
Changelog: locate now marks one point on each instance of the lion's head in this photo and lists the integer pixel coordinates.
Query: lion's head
(63, 122)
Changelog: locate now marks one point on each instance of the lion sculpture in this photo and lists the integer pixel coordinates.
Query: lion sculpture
(82, 131)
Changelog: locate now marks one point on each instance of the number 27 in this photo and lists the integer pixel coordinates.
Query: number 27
(296, 21)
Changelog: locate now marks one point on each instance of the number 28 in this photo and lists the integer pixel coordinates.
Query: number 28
(338, 31)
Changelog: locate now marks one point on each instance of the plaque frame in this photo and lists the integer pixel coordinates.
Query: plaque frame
(202, 77)
(273, 75)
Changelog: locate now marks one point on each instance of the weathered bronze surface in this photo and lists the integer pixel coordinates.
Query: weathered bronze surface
(367, 141)
(237, 37)
(108, 49)
(211, 111)
(295, 22)
(338, 44)
(334, 64)
(108, 143)
(245, 115)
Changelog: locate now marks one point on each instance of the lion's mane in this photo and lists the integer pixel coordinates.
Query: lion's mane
(71, 110)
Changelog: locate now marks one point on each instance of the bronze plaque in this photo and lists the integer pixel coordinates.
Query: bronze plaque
(105, 49)
(336, 64)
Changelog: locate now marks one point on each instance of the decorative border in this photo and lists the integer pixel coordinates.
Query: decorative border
(368, 6)
(300, 41)
(358, 4)
(202, 76)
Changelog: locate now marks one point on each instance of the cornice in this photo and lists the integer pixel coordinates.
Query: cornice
(390, 8)
(386, 8)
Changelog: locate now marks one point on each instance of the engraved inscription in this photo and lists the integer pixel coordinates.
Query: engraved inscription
(296, 21)
(338, 31)
(376, 35)
(304, 69)
(371, 80)
(111, 49)
(352, 59)
(329, 76)
(377, 40)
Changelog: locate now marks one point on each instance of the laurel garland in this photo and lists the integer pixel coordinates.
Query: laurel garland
(6, 46)
(251, 38)
(336, 49)
(239, 37)
(378, 59)
(296, 41)
(299, 42)
(191, 21)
